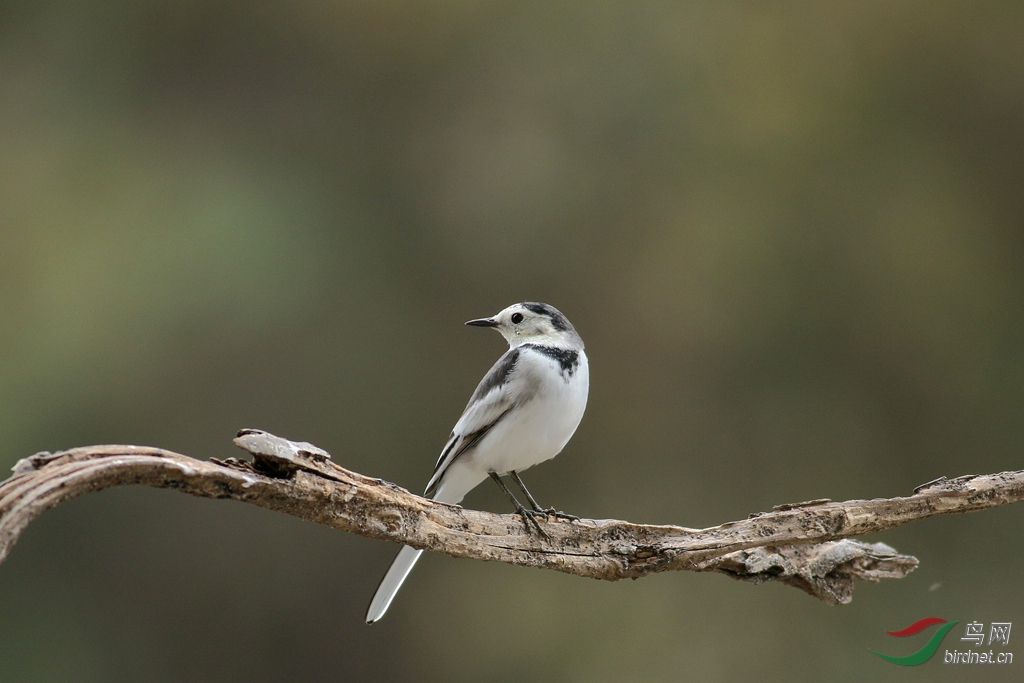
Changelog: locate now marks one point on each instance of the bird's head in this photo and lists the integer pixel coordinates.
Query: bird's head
(532, 322)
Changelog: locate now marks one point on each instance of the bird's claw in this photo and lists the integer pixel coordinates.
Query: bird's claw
(530, 517)
(559, 514)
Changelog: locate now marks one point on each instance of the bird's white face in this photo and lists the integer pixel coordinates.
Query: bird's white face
(532, 323)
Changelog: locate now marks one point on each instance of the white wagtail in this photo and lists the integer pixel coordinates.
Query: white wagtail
(524, 411)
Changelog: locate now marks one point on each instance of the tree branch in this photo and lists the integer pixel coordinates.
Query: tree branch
(804, 544)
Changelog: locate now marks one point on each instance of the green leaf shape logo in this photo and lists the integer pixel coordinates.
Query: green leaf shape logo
(925, 653)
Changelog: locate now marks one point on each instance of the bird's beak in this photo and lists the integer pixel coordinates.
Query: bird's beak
(483, 322)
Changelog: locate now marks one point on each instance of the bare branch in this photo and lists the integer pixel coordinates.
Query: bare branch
(804, 545)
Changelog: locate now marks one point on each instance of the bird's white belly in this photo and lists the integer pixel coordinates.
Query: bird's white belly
(539, 430)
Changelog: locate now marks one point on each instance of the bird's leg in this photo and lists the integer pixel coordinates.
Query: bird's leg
(522, 487)
(533, 503)
(527, 515)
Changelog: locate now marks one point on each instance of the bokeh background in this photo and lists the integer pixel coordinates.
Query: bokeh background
(790, 233)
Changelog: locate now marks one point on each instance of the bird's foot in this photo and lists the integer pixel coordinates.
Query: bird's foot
(530, 517)
(559, 514)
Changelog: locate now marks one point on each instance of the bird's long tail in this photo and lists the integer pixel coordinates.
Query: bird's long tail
(455, 484)
(392, 581)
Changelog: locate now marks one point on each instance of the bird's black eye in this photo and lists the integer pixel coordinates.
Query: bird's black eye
(517, 318)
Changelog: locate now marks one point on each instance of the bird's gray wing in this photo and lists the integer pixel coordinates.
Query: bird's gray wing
(495, 397)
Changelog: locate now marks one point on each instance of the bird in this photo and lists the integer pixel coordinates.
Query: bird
(523, 413)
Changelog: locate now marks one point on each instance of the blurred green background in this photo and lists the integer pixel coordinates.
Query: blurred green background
(790, 233)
